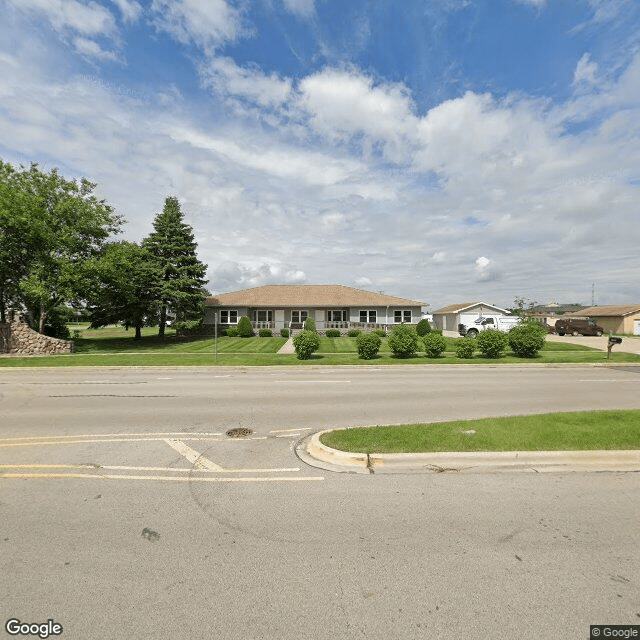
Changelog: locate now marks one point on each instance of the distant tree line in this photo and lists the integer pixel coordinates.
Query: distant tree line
(58, 254)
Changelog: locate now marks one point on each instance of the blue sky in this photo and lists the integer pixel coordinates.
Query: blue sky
(443, 150)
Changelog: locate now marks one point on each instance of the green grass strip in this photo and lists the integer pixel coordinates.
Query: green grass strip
(577, 431)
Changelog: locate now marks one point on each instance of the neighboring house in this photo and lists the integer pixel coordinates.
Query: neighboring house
(279, 306)
(450, 316)
(547, 314)
(613, 318)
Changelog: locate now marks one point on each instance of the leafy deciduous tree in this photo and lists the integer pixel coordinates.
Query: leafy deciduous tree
(49, 227)
(124, 286)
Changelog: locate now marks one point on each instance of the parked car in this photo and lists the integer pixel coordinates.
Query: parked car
(578, 326)
(501, 323)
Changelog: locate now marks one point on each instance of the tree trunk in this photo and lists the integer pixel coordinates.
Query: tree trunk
(43, 316)
(138, 335)
(163, 321)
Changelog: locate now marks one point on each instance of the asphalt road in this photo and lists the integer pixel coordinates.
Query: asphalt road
(126, 511)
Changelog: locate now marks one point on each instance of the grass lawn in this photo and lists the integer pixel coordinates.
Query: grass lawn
(578, 431)
(115, 346)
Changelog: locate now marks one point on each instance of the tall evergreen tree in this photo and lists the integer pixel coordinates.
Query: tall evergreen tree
(173, 246)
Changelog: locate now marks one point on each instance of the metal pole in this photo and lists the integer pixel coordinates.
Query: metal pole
(215, 336)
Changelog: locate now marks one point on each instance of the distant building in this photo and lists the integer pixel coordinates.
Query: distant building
(448, 318)
(623, 318)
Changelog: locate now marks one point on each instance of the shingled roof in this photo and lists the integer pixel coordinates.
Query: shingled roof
(606, 310)
(308, 296)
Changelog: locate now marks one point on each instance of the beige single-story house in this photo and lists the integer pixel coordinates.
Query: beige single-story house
(287, 306)
(449, 317)
(624, 318)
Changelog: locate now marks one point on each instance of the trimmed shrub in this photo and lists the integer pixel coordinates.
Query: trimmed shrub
(438, 331)
(284, 333)
(526, 339)
(305, 343)
(491, 343)
(245, 328)
(368, 345)
(380, 332)
(309, 324)
(423, 327)
(465, 347)
(232, 332)
(265, 333)
(353, 333)
(332, 333)
(434, 345)
(403, 341)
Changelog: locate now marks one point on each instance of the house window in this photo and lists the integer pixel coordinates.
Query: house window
(299, 316)
(368, 315)
(402, 315)
(337, 315)
(264, 315)
(229, 316)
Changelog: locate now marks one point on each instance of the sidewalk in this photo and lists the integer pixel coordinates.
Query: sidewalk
(314, 453)
(287, 347)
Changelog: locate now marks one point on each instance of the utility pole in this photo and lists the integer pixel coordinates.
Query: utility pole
(593, 289)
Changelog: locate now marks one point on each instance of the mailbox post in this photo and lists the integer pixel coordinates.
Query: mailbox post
(612, 341)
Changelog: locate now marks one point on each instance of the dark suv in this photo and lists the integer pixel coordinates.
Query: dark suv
(578, 326)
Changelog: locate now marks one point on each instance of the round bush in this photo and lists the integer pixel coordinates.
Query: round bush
(525, 340)
(491, 343)
(465, 347)
(368, 345)
(245, 328)
(332, 333)
(353, 333)
(309, 324)
(380, 332)
(265, 333)
(423, 327)
(232, 332)
(434, 345)
(403, 341)
(305, 343)
(284, 333)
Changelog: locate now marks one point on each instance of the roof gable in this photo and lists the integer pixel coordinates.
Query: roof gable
(467, 306)
(308, 295)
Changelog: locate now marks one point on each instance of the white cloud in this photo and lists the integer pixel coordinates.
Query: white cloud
(129, 9)
(534, 3)
(301, 8)
(92, 49)
(586, 71)
(207, 23)
(343, 104)
(87, 19)
(225, 77)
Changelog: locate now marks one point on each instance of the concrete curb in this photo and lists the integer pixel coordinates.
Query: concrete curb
(314, 453)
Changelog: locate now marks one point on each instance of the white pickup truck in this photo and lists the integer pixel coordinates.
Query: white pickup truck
(471, 326)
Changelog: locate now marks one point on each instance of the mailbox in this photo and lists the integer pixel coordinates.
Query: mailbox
(615, 340)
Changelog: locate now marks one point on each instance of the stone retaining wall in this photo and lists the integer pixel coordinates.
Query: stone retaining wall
(22, 340)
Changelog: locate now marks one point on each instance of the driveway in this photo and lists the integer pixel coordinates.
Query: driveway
(629, 345)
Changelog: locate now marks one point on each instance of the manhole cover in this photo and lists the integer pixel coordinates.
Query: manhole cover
(239, 432)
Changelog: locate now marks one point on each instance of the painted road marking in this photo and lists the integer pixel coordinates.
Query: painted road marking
(184, 435)
(31, 476)
(165, 469)
(54, 442)
(194, 457)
